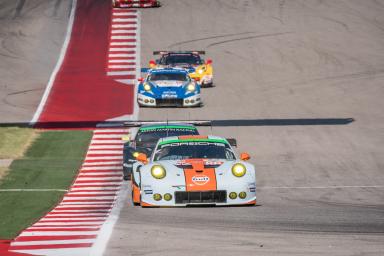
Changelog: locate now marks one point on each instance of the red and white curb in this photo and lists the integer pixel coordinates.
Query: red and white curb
(142, 4)
(123, 51)
(78, 222)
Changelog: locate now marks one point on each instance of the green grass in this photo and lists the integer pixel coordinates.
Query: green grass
(13, 141)
(51, 162)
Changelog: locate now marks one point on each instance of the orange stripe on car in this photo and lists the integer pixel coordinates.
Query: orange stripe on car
(199, 178)
(136, 194)
(144, 204)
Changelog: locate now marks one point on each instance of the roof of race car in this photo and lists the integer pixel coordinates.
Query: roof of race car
(148, 127)
(168, 70)
(192, 138)
(178, 52)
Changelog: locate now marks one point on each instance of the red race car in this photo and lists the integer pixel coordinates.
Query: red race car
(135, 3)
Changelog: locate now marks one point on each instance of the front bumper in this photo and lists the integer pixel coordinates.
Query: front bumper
(182, 198)
(147, 101)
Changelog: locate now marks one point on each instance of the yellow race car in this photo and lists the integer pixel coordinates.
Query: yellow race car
(200, 70)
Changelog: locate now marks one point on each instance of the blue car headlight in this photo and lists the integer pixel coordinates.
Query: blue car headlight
(191, 87)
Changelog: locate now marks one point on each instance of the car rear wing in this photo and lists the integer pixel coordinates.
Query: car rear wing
(166, 52)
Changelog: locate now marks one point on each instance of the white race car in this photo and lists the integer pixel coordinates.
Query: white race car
(193, 170)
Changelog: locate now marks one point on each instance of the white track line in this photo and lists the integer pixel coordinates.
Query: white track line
(58, 233)
(122, 131)
(99, 246)
(124, 37)
(122, 31)
(119, 73)
(102, 158)
(112, 55)
(64, 48)
(77, 241)
(122, 13)
(58, 252)
(102, 168)
(120, 61)
(124, 19)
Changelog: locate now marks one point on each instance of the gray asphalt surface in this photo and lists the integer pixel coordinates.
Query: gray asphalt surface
(31, 35)
(279, 65)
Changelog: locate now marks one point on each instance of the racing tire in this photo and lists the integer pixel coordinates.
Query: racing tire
(210, 85)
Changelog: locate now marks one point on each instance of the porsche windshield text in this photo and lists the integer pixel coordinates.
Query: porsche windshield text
(193, 150)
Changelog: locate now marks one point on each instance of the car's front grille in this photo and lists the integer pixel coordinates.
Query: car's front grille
(201, 197)
(169, 102)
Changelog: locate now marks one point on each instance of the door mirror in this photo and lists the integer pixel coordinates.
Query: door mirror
(140, 79)
(208, 62)
(142, 158)
(197, 79)
(245, 156)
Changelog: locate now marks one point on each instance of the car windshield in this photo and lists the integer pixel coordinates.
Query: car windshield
(194, 150)
(153, 135)
(174, 59)
(168, 76)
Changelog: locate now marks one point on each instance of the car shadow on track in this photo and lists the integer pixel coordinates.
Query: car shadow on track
(217, 123)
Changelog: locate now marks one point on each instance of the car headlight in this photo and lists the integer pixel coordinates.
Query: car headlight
(201, 71)
(191, 87)
(147, 87)
(238, 170)
(135, 154)
(158, 171)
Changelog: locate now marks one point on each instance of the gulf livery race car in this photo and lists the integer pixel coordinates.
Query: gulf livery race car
(145, 139)
(198, 69)
(135, 3)
(193, 170)
(167, 87)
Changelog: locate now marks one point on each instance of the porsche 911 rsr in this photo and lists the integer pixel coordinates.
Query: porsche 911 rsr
(193, 170)
(167, 87)
(135, 3)
(145, 139)
(198, 69)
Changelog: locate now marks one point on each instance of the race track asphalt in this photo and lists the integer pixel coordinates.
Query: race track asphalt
(31, 34)
(304, 80)
(299, 83)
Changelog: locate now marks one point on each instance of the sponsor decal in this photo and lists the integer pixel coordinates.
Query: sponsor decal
(200, 179)
(169, 96)
(193, 143)
(213, 163)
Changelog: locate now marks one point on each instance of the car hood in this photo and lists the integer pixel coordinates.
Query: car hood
(167, 83)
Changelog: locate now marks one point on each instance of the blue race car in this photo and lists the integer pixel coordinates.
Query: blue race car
(167, 87)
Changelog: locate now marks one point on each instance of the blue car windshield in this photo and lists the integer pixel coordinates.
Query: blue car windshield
(168, 76)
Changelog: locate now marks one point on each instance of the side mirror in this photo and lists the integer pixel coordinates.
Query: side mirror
(208, 62)
(140, 79)
(197, 79)
(232, 142)
(245, 156)
(142, 158)
(152, 63)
